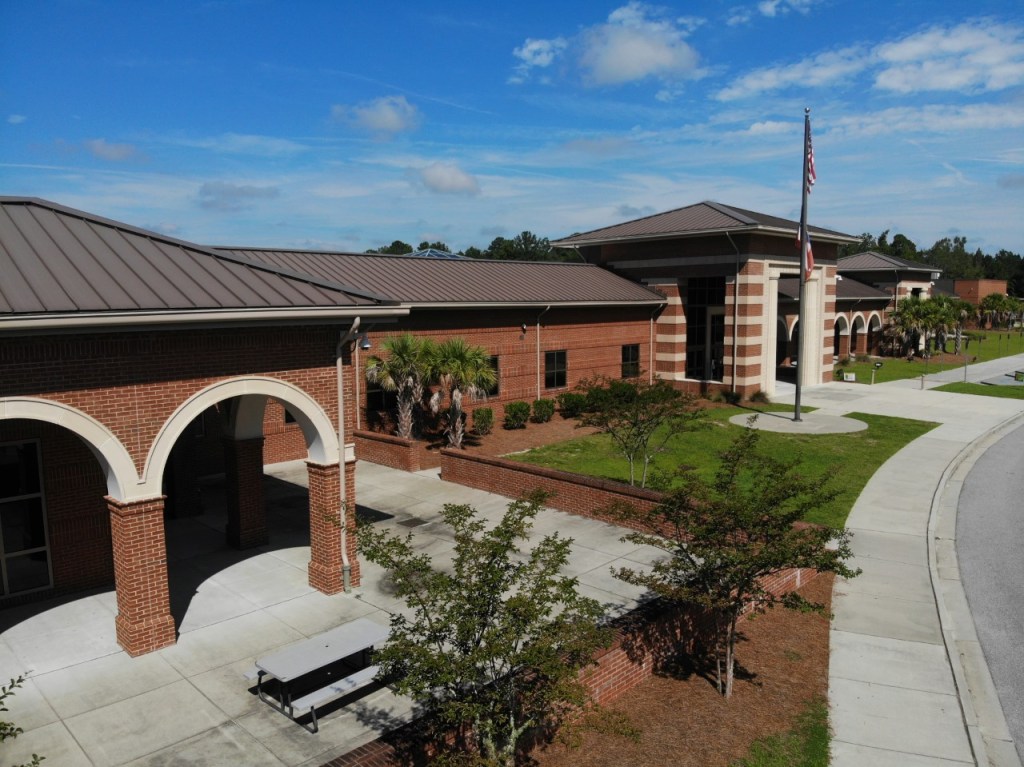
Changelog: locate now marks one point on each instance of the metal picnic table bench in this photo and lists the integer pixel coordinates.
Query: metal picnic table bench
(288, 664)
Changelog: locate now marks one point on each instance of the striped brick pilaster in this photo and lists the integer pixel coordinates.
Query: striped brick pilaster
(670, 335)
(749, 293)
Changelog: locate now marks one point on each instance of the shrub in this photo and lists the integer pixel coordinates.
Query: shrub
(483, 420)
(730, 397)
(759, 396)
(543, 409)
(516, 415)
(571, 404)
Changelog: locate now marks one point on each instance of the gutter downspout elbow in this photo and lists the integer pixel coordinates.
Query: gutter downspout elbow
(346, 564)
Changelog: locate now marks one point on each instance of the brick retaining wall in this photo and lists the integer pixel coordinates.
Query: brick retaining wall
(574, 493)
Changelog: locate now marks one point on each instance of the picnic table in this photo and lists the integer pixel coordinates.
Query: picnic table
(355, 638)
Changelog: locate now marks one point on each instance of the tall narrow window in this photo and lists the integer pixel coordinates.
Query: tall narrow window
(494, 390)
(631, 360)
(24, 550)
(555, 369)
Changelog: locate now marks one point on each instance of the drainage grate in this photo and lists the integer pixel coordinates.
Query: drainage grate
(412, 522)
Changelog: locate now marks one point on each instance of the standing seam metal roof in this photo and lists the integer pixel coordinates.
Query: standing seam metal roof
(456, 281)
(56, 259)
(701, 217)
(872, 260)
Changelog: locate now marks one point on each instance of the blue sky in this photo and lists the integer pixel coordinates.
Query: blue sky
(345, 125)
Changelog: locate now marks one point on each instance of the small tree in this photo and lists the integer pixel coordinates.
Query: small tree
(8, 731)
(404, 370)
(460, 369)
(640, 417)
(494, 643)
(725, 537)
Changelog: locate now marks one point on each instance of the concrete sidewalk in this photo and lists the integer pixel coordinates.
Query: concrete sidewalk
(908, 684)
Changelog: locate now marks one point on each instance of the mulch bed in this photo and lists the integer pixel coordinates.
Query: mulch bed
(783, 664)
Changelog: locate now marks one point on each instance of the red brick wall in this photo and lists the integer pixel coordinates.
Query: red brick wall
(593, 338)
(133, 382)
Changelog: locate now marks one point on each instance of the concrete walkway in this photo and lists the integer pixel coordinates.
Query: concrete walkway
(908, 683)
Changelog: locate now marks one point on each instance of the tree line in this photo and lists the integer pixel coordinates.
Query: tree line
(950, 255)
(525, 246)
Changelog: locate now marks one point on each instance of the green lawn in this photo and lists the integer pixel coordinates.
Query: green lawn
(806, 745)
(984, 346)
(849, 460)
(984, 390)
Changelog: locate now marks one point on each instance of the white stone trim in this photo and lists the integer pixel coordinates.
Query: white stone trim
(110, 452)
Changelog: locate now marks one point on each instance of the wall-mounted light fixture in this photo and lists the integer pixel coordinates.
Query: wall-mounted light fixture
(364, 342)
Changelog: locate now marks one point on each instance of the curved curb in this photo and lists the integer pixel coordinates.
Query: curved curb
(987, 733)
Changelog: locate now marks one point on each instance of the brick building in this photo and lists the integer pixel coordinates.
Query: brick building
(728, 324)
(126, 353)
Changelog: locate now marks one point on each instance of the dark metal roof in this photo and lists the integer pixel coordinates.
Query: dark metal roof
(874, 261)
(59, 260)
(847, 289)
(461, 281)
(701, 218)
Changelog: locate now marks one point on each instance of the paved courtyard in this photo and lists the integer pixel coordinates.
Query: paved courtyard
(86, 702)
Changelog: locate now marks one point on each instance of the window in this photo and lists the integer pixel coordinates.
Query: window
(24, 552)
(554, 370)
(493, 391)
(288, 417)
(631, 360)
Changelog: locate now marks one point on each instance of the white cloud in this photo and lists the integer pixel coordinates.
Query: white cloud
(113, 152)
(447, 178)
(823, 69)
(934, 119)
(224, 196)
(634, 45)
(974, 56)
(16, 119)
(770, 128)
(385, 116)
(637, 42)
(772, 8)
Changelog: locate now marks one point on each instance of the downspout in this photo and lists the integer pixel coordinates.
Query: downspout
(735, 312)
(346, 565)
(538, 349)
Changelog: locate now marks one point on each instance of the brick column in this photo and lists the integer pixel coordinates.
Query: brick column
(243, 489)
(144, 622)
(749, 293)
(325, 562)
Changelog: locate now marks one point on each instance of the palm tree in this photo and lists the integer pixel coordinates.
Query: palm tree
(405, 370)
(460, 369)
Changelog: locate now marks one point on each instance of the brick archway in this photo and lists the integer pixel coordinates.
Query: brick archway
(114, 459)
(321, 439)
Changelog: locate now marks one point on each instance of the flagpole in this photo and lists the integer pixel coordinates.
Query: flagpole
(801, 348)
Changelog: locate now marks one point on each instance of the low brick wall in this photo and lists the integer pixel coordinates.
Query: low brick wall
(389, 450)
(574, 493)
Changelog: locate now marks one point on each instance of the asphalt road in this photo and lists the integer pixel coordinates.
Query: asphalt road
(990, 549)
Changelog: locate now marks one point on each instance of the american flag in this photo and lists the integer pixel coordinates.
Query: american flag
(804, 241)
(811, 175)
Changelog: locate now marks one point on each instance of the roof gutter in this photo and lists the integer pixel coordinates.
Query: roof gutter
(136, 319)
(529, 304)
